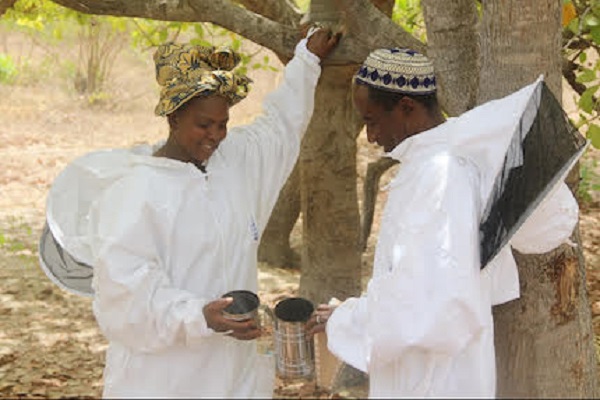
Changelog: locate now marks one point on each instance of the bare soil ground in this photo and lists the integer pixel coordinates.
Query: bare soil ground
(50, 345)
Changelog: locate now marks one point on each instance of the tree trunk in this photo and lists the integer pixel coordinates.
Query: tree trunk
(544, 340)
(375, 170)
(275, 246)
(544, 345)
(331, 254)
(331, 260)
(453, 47)
(508, 59)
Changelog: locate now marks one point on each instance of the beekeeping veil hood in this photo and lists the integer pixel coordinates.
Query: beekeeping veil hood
(64, 250)
(524, 146)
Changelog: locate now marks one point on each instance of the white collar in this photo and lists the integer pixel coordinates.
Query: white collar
(143, 154)
(421, 143)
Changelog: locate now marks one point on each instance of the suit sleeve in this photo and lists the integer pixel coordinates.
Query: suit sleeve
(267, 149)
(550, 225)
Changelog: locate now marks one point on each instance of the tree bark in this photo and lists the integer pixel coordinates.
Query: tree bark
(368, 28)
(331, 260)
(385, 6)
(508, 60)
(452, 45)
(544, 345)
(281, 11)
(544, 340)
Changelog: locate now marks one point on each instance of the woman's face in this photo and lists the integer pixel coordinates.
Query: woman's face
(200, 126)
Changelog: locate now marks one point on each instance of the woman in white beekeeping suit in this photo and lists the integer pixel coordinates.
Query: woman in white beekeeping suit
(168, 229)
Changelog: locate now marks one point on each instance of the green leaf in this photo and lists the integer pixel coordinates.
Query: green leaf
(588, 75)
(582, 57)
(595, 32)
(593, 134)
(163, 35)
(199, 30)
(586, 101)
(57, 33)
(303, 5)
(200, 42)
(591, 20)
(7, 68)
(574, 26)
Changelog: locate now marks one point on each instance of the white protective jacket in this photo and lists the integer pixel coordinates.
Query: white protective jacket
(424, 326)
(165, 238)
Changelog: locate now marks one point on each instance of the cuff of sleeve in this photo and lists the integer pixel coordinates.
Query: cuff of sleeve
(306, 55)
(195, 324)
(550, 225)
(345, 338)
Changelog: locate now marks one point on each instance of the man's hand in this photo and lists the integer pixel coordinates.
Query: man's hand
(242, 330)
(318, 321)
(322, 42)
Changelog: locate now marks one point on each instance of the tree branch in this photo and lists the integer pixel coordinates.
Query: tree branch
(375, 170)
(568, 72)
(261, 30)
(385, 6)
(281, 11)
(5, 5)
(368, 28)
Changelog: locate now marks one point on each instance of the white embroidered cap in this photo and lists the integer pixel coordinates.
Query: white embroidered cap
(398, 70)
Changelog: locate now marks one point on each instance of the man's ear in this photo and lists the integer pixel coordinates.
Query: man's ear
(406, 105)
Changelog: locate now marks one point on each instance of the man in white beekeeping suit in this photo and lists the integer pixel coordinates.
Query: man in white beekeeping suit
(424, 326)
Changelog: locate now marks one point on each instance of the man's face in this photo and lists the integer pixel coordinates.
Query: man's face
(201, 126)
(383, 127)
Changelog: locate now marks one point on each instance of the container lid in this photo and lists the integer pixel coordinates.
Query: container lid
(294, 309)
(244, 301)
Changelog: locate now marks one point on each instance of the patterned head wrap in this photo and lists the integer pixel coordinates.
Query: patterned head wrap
(185, 71)
(398, 70)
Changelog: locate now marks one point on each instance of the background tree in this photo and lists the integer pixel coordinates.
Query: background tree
(550, 324)
(519, 40)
